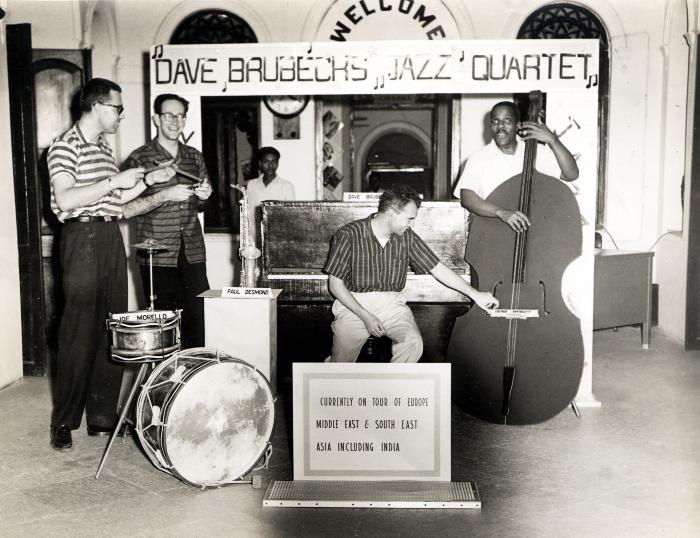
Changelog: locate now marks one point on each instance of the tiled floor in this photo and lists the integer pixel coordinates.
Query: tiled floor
(629, 468)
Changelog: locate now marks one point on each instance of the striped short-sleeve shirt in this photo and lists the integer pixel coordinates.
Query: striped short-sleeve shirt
(88, 163)
(171, 222)
(360, 261)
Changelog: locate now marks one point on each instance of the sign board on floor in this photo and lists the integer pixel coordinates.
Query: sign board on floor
(371, 421)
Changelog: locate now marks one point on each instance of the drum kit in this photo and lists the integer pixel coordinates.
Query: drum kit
(202, 416)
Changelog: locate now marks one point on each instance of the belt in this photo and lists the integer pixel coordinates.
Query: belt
(90, 218)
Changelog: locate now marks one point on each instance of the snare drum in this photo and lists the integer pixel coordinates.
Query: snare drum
(144, 334)
(205, 417)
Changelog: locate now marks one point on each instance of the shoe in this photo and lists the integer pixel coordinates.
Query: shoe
(61, 437)
(94, 431)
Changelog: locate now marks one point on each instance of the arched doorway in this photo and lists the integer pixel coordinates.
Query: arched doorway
(396, 152)
(400, 139)
(398, 158)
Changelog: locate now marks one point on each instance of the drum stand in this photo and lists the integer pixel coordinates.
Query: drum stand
(125, 410)
(150, 245)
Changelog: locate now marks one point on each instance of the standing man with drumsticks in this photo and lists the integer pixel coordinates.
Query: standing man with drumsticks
(87, 195)
(179, 273)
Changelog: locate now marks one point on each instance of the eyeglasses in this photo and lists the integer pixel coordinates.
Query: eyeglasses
(119, 108)
(167, 116)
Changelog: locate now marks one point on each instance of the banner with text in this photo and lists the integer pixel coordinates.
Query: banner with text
(371, 421)
(389, 67)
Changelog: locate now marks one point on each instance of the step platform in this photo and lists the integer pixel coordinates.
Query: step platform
(358, 494)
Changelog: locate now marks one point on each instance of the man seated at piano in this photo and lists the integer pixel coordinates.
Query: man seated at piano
(367, 268)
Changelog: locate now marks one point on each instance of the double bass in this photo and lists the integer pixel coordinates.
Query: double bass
(522, 363)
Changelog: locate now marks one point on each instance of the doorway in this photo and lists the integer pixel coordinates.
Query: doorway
(230, 131)
(401, 139)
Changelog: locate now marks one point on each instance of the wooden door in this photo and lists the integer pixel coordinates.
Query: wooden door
(58, 77)
(43, 86)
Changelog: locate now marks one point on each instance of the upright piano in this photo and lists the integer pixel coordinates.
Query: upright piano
(295, 241)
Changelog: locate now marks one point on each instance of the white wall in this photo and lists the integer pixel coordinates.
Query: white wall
(297, 161)
(671, 250)
(10, 319)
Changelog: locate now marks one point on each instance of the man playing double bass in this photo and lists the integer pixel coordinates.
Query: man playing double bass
(522, 364)
(502, 159)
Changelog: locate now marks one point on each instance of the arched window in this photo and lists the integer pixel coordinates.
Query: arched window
(212, 26)
(230, 139)
(570, 21)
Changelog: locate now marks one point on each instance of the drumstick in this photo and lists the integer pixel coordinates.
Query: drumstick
(188, 176)
(158, 166)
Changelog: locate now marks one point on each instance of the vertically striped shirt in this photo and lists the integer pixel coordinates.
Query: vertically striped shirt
(360, 261)
(171, 222)
(88, 163)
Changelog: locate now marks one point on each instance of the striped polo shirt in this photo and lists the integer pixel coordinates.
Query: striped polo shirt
(360, 261)
(171, 223)
(88, 163)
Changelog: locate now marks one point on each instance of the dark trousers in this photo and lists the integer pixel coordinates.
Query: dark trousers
(95, 285)
(178, 287)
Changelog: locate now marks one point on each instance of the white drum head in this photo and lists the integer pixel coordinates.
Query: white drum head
(219, 423)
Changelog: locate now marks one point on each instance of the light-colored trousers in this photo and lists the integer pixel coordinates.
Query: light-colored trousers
(350, 333)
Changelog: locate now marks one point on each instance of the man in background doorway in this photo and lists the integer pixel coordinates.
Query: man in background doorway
(168, 214)
(268, 186)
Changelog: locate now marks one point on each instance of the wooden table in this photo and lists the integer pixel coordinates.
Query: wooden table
(622, 290)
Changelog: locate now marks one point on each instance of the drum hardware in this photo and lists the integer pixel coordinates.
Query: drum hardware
(150, 245)
(142, 337)
(206, 418)
(122, 416)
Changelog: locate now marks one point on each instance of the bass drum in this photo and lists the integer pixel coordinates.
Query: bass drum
(205, 417)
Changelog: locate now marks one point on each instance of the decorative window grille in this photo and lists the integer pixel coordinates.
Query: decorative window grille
(211, 27)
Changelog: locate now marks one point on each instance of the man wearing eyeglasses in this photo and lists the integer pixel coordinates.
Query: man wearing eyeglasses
(168, 213)
(87, 196)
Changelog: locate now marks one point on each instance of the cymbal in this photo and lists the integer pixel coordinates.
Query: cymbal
(150, 244)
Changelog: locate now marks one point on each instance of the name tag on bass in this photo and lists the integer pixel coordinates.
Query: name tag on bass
(514, 313)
